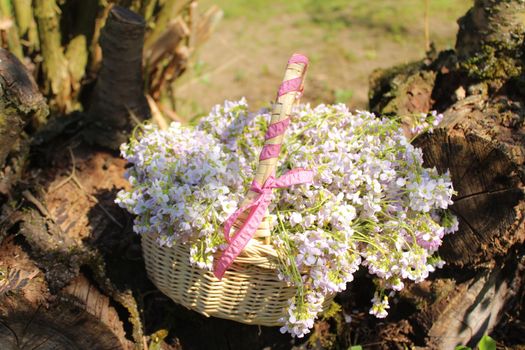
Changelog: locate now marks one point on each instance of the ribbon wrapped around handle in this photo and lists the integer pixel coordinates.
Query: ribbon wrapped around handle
(257, 212)
(259, 195)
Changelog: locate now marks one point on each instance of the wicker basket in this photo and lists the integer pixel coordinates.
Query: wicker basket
(250, 291)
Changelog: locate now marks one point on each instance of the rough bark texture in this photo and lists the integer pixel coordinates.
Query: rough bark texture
(402, 90)
(74, 260)
(72, 227)
(485, 156)
(472, 308)
(490, 22)
(71, 273)
(481, 141)
(79, 317)
(59, 222)
(490, 41)
(119, 102)
(20, 104)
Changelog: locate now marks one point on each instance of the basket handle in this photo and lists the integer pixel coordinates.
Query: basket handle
(254, 207)
(289, 93)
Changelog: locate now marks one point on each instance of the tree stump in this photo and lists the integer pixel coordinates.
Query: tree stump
(79, 317)
(485, 156)
(71, 275)
(481, 141)
(118, 100)
(45, 250)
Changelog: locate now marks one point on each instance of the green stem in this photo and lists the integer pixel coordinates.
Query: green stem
(13, 38)
(56, 77)
(147, 9)
(23, 14)
(26, 24)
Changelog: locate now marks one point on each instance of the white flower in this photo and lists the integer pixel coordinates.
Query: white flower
(379, 306)
(295, 219)
(372, 203)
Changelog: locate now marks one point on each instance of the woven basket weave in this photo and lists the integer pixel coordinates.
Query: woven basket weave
(250, 291)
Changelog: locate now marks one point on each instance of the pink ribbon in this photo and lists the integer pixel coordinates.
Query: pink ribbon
(257, 211)
(298, 58)
(269, 151)
(277, 129)
(296, 83)
(261, 202)
(290, 85)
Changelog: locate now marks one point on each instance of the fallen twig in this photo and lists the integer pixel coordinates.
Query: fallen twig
(73, 177)
(41, 207)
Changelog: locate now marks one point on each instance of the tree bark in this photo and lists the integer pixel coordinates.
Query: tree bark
(63, 214)
(119, 102)
(20, 104)
(472, 308)
(71, 275)
(44, 300)
(79, 317)
(485, 157)
(491, 22)
(481, 141)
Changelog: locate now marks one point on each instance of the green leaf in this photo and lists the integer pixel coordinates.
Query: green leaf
(487, 343)
(356, 347)
(462, 347)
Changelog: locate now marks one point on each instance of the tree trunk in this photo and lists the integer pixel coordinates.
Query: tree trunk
(21, 104)
(485, 157)
(71, 273)
(462, 314)
(491, 22)
(119, 102)
(79, 317)
(481, 141)
(44, 300)
(62, 217)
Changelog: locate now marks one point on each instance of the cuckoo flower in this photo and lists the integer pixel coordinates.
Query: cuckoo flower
(371, 202)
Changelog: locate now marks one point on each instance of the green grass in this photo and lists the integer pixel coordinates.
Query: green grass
(344, 39)
(390, 15)
(343, 95)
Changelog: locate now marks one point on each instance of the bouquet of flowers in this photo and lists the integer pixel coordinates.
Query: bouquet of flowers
(372, 203)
